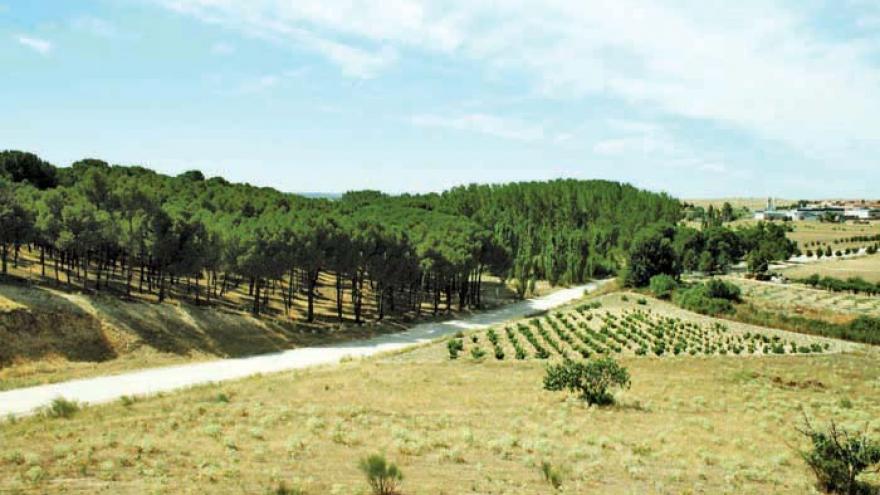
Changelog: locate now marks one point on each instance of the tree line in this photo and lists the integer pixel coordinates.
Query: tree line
(127, 229)
(667, 249)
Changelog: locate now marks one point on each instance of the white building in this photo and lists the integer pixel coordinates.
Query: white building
(862, 213)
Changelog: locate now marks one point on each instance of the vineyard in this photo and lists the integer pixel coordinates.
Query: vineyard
(639, 328)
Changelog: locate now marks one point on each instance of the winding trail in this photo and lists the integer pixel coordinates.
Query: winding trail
(96, 390)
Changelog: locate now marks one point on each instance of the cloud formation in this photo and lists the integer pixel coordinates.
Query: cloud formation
(41, 46)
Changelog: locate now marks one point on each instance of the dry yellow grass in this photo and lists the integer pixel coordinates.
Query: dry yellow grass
(867, 267)
(688, 425)
(834, 234)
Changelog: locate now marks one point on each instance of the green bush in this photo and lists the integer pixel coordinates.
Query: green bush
(663, 286)
(592, 379)
(62, 408)
(477, 353)
(454, 346)
(710, 298)
(382, 476)
(837, 457)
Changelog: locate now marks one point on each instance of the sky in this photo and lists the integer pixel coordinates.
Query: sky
(703, 98)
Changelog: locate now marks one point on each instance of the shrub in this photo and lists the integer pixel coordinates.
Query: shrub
(837, 457)
(592, 379)
(551, 475)
(382, 476)
(711, 298)
(284, 489)
(663, 285)
(720, 289)
(477, 353)
(62, 408)
(454, 346)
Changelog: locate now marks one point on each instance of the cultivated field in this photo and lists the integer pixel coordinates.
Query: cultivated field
(834, 234)
(802, 300)
(628, 324)
(867, 267)
(689, 424)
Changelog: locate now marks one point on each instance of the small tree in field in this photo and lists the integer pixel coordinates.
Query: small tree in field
(838, 457)
(592, 379)
(383, 476)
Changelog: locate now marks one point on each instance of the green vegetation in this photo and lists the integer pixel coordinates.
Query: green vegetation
(552, 475)
(382, 476)
(61, 408)
(133, 232)
(713, 297)
(864, 329)
(668, 250)
(662, 286)
(592, 379)
(454, 346)
(838, 457)
(636, 329)
(856, 285)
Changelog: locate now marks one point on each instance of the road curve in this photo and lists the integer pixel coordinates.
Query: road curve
(24, 401)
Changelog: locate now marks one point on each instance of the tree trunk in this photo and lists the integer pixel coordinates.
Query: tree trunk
(255, 291)
(312, 284)
(339, 295)
(161, 286)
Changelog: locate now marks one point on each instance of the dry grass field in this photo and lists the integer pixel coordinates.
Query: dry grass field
(807, 301)
(867, 267)
(834, 234)
(714, 425)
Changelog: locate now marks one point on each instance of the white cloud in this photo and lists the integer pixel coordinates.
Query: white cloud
(651, 142)
(491, 125)
(41, 46)
(754, 65)
(282, 23)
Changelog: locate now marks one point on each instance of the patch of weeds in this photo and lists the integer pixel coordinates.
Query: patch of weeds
(62, 408)
(552, 475)
(382, 476)
(284, 489)
(212, 430)
(35, 474)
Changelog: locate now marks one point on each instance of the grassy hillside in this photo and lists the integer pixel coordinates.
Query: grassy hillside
(50, 335)
(718, 424)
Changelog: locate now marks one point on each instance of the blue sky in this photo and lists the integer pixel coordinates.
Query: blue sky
(698, 98)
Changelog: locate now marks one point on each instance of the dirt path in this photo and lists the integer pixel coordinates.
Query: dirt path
(150, 381)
